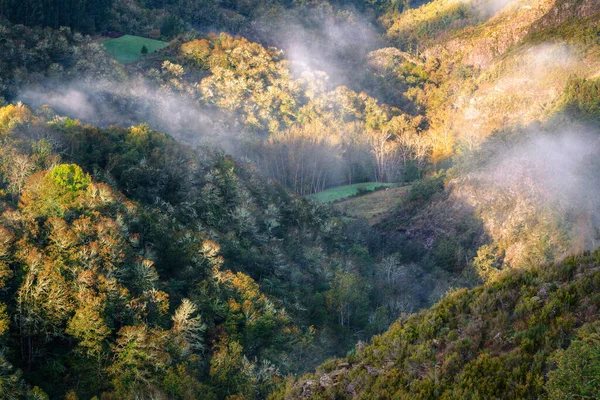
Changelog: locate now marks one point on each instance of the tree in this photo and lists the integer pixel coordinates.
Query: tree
(304, 157)
(487, 263)
(384, 150)
(144, 276)
(144, 50)
(89, 16)
(189, 327)
(53, 193)
(171, 26)
(391, 269)
(231, 370)
(141, 359)
(70, 177)
(6, 252)
(11, 383)
(44, 303)
(88, 326)
(197, 51)
(344, 295)
(12, 116)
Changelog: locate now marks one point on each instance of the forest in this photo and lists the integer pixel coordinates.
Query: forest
(299, 199)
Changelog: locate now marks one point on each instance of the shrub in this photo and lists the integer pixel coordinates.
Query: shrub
(577, 373)
(425, 189)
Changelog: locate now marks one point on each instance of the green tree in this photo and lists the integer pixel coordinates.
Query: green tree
(141, 358)
(11, 383)
(88, 326)
(70, 177)
(345, 296)
(231, 370)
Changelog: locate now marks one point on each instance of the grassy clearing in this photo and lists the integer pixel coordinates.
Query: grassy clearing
(128, 48)
(373, 206)
(341, 192)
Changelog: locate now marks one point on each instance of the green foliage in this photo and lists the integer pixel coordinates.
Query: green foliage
(181, 273)
(582, 99)
(447, 253)
(428, 22)
(88, 17)
(580, 32)
(141, 358)
(231, 370)
(52, 53)
(495, 341)
(423, 190)
(70, 177)
(11, 382)
(577, 373)
(487, 263)
(345, 297)
(132, 296)
(171, 26)
(36, 394)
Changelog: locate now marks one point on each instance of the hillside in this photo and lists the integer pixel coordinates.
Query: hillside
(516, 123)
(375, 206)
(185, 205)
(128, 256)
(510, 98)
(506, 339)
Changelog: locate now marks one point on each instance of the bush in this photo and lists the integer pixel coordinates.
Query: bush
(426, 188)
(577, 375)
(582, 98)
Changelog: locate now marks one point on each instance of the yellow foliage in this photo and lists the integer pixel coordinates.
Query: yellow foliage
(4, 320)
(196, 50)
(13, 115)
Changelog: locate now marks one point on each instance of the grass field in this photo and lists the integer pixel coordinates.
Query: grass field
(340, 192)
(128, 48)
(373, 206)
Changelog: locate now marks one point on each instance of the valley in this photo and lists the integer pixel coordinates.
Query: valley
(290, 199)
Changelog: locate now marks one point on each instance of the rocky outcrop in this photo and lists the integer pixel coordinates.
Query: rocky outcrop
(565, 10)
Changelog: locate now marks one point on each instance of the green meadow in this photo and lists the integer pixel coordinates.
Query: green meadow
(128, 48)
(341, 192)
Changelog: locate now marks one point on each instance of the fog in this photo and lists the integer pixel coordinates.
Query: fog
(313, 43)
(491, 7)
(133, 102)
(555, 169)
(550, 177)
(533, 79)
(319, 42)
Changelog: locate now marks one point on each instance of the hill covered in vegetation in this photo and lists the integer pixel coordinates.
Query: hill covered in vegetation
(526, 335)
(520, 126)
(164, 231)
(154, 266)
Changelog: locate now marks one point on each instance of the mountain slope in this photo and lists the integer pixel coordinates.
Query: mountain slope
(495, 341)
(132, 265)
(510, 97)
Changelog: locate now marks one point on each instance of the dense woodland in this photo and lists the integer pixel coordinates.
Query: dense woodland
(157, 240)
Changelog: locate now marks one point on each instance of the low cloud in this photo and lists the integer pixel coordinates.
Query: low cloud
(548, 180)
(131, 103)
